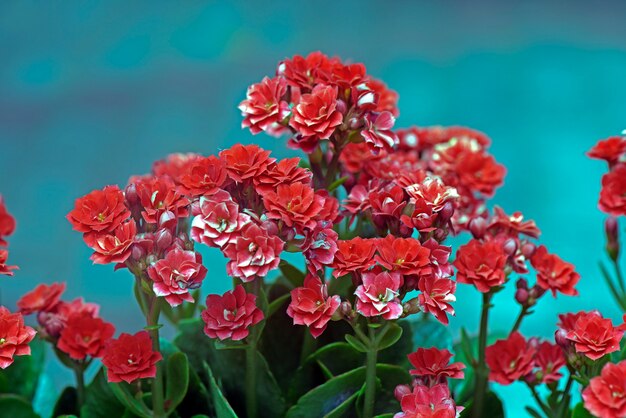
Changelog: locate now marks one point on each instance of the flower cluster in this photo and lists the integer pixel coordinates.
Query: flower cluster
(613, 193)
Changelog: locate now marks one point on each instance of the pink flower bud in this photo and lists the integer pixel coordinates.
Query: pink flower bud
(612, 237)
(560, 337)
(346, 309)
(521, 296)
(341, 106)
(168, 220)
(130, 193)
(446, 212)
(478, 227)
(51, 323)
(522, 283)
(400, 391)
(528, 249)
(510, 246)
(164, 239)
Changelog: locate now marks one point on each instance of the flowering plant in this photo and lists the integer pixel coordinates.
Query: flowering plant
(343, 281)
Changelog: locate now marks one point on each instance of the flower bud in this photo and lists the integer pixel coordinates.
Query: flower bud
(400, 391)
(560, 337)
(521, 296)
(446, 211)
(164, 239)
(521, 283)
(270, 227)
(412, 306)
(346, 309)
(341, 106)
(612, 237)
(528, 249)
(168, 220)
(130, 193)
(478, 227)
(51, 323)
(510, 246)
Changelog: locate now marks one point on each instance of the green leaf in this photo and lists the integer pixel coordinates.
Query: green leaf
(153, 327)
(492, 407)
(222, 407)
(100, 402)
(16, 406)
(385, 415)
(580, 411)
(23, 375)
(357, 344)
(177, 379)
(276, 304)
(197, 400)
(333, 186)
(390, 337)
(66, 404)
(533, 412)
(295, 276)
(124, 394)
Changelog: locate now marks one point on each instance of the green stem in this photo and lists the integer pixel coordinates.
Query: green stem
(620, 277)
(158, 408)
(520, 317)
(482, 372)
(308, 346)
(251, 361)
(370, 377)
(79, 372)
(564, 404)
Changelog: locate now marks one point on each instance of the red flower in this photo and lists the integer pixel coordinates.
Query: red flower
(14, 337)
(512, 225)
(553, 273)
(218, 220)
(378, 295)
(113, 247)
(203, 177)
(174, 165)
(320, 246)
(84, 335)
(53, 321)
(404, 255)
(7, 222)
(304, 73)
(245, 162)
(42, 298)
(175, 274)
(130, 357)
(4, 268)
(352, 255)
(311, 306)
(316, 115)
(436, 296)
(434, 363)
(230, 315)
(425, 402)
(387, 99)
(509, 359)
(253, 254)
(264, 108)
(594, 336)
(377, 132)
(481, 264)
(285, 171)
(295, 204)
(613, 193)
(610, 149)
(606, 394)
(99, 211)
(158, 195)
(549, 359)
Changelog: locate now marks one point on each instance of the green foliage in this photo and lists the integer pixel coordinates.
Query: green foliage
(22, 377)
(222, 407)
(492, 407)
(177, 380)
(580, 411)
(16, 406)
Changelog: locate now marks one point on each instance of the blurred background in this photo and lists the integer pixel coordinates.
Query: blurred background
(92, 92)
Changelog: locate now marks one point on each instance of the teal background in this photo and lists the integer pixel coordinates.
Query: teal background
(92, 92)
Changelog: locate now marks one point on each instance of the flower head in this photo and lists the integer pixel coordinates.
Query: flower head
(218, 220)
(553, 273)
(378, 295)
(356, 254)
(177, 273)
(7, 222)
(14, 337)
(425, 402)
(245, 162)
(99, 211)
(481, 264)
(130, 357)
(84, 335)
(594, 336)
(43, 298)
(295, 204)
(311, 306)
(613, 193)
(230, 316)
(253, 254)
(264, 107)
(316, 115)
(113, 247)
(435, 363)
(606, 394)
(203, 177)
(509, 359)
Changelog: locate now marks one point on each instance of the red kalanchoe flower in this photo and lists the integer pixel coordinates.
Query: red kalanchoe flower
(553, 273)
(285, 171)
(352, 255)
(7, 222)
(435, 363)
(41, 299)
(481, 264)
(404, 255)
(14, 337)
(304, 73)
(218, 220)
(174, 165)
(320, 246)
(509, 359)
(245, 162)
(316, 115)
(253, 254)
(549, 359)
(425, 402)
(130, 357)
(610, 149)
(99, 211)
(4, 268)
(84, 335)
(512, 225)
(264, 108)
(158, 195)
(295, 204)
(387, 99)
(177, 273)
(203, 177)
(606, 394)
(53, 321)
(378, 295)
(311, 306)
(231, 315)
(436, 296)
(377, 132)
(613, 193)
(114, 247)
(594, 336)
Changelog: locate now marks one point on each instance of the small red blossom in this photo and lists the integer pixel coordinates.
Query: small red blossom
(387, 99)
(84, 335)
(377, 133)
(316, 115)
(14, 337)
(352, 255)
(130, 357)
(610, 149)
(203, 177)
(264, 109)
(404, 255)
(304, 73)
(7, 222)
(41, 299)
(434, 363)
(4, 268)
(53, 321)
(218, 220)
(230, 316)
(553, 273)
(99, 211)
(378, 295)
(285, 171)
(295, 204)
(481, 264)
(253, 254)
(512, 225)
(436, 296)
(177, 273)
(311, 306)
(173, 166)
(425, 402)
(158, 195)
(613, 193)
(245, 162)
(549, 359)
(114, 247)
(594, 336)
(320, 246)
(509, 359)
(606, 394)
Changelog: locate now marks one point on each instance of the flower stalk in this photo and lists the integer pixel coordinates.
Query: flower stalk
(482, 372)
